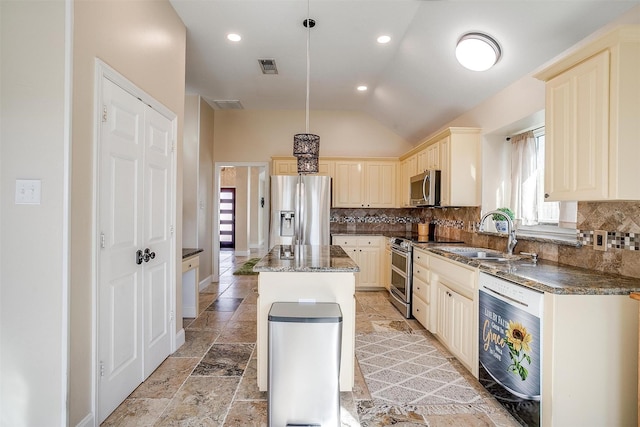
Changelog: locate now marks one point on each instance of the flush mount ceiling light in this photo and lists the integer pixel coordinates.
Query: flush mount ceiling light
(477, 51)
(306, 146)
(362, 88)
(234, 37)
(383, 39)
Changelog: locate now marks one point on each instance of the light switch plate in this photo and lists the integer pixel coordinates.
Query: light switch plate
(28, 191)
(600, 240)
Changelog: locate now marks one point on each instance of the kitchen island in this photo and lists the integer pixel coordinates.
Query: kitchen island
(307, 274)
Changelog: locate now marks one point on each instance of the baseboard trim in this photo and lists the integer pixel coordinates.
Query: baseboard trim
(204, 283)
(86, 421)
(242, 253)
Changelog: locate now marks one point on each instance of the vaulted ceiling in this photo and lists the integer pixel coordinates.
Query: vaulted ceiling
(415, 85)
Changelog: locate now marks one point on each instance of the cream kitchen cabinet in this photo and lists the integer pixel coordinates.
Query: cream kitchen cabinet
(364, 184)
(385, 273)
(456, 312)
(456, 153)
(408, 168)
(367, 252)
(591, 124)
(289, 166)
(421, 294)
(460, 167)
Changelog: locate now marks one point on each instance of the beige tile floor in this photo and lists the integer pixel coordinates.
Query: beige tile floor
(211, 379)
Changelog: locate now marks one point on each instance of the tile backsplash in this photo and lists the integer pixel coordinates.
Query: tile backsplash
(620, 221)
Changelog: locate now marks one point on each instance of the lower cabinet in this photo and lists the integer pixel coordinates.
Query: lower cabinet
(421, 293)
(456, 312)
(367, 252)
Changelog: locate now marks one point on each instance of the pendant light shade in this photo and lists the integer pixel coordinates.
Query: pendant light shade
(307, 165)
(477, 51)
(306, 145)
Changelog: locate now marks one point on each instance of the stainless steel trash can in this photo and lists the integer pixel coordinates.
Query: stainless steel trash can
(304, 364)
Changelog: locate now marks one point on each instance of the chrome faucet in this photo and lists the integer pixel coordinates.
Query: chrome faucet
(511, 232)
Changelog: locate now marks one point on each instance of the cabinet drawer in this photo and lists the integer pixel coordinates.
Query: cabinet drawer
(368, 241)
(421, 273)
(421, 289)
(420, 311)
(190, 263)
(453, 272)
(421, 258)
(345, 240)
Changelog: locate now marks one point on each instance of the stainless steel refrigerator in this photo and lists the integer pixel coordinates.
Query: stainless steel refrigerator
(300, 209)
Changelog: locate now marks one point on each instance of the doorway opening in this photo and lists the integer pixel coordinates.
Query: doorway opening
(250, 213)
(227, 218)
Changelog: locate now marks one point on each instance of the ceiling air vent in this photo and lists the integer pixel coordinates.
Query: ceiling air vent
(268, 66)
(229, 105)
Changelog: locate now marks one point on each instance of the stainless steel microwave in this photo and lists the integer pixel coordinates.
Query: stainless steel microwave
(425, 189)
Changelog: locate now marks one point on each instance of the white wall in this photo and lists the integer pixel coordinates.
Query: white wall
(250, 136)
(205, 190)
(190, 156)
(33, 238)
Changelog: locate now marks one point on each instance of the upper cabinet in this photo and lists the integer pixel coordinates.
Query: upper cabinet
(460, 167)
(364, 184)
(408, 168)
(289, 166)
(592, 126)
(455, 152)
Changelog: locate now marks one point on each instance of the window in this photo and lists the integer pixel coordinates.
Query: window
(551, 219)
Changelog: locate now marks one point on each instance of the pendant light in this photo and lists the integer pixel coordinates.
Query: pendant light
(306, 146)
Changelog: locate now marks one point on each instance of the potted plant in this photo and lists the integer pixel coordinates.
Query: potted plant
(501, 220)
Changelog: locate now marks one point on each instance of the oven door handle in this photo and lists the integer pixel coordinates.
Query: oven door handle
(397, 295)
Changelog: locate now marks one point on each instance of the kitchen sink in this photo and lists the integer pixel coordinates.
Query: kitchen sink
(478, 253)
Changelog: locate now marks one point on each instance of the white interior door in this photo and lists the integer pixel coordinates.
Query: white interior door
(134, 261)
(157, 223)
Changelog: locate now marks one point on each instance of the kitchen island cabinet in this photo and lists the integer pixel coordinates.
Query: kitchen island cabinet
(307, 274)
(591, 120)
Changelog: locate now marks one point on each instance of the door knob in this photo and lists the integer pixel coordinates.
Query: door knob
(139, 257)
(148, 255)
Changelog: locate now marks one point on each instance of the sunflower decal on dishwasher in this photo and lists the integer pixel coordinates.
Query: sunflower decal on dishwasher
(518, 340)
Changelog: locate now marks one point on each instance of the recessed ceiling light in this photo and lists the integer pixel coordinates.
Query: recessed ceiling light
(384, 39)
(234, 37)
(477, 51)
(362, 88)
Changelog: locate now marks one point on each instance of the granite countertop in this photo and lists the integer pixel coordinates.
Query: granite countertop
(306, 258)
(189, 252)
(548, 276)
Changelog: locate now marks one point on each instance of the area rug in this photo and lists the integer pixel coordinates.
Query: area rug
(407, 369)
(247, 268)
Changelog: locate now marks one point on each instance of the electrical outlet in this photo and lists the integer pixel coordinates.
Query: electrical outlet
(600, 240)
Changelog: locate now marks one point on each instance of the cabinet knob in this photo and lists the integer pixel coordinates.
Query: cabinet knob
(546, 195)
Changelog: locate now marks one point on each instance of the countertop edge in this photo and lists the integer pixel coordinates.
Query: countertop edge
(504, 271)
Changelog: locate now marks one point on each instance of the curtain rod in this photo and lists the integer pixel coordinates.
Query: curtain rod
(527, 130)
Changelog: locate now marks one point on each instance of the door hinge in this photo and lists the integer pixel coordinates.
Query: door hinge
(101, 369)
(171, 315)
(103, 244)
(104, 113)
(173, 147)
(171, 229)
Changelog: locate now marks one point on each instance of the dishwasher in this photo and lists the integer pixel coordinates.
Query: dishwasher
(510, 346)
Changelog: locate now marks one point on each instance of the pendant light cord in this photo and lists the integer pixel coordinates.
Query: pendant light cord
(308, 62)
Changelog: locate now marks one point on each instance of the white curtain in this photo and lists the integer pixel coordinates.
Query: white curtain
(524, 173)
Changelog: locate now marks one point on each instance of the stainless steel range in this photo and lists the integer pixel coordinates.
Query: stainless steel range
(401, 285)
(400, 288)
